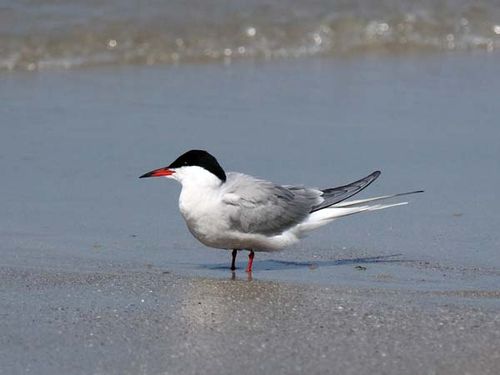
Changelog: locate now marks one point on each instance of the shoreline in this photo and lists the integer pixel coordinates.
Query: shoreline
(154, 322)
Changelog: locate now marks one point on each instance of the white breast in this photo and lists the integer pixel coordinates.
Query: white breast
(208, 216)
(201, 206)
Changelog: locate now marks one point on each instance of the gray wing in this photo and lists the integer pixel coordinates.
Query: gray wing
(338, 194)
(258, 206)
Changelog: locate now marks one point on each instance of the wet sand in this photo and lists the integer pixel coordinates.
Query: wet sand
(150, 321)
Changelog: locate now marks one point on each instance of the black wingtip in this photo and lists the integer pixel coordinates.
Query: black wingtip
(340, 193)
(409, 192)
(416, 192)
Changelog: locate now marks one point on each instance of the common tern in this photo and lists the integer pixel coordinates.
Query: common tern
(235, 211)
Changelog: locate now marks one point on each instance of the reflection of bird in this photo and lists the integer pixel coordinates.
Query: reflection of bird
(236, 211)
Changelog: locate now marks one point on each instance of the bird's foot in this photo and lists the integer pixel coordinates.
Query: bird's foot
(233, 260)
(250, 261)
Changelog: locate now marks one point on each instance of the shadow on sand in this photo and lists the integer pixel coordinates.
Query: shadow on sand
(275, 265)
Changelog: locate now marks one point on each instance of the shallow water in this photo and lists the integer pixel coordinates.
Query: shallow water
(72, 145)
(46, 34)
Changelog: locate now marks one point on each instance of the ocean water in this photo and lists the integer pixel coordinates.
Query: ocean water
(73, 143)
(48, 34)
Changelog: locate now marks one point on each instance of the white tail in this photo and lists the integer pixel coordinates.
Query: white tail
(326, 215)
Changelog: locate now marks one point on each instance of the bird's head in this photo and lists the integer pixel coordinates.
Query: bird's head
(194, 166)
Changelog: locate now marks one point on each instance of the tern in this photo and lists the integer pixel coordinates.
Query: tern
(235, 211)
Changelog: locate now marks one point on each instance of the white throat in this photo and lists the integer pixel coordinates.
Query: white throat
(196, 178)
(199, 196)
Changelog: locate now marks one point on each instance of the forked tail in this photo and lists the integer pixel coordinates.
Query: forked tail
(346, 208)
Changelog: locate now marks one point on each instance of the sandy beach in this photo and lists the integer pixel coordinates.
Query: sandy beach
(149, 321)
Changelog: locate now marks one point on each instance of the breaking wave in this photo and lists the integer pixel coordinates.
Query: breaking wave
(37, 35)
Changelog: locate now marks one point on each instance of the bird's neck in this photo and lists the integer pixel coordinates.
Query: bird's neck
(199, 187)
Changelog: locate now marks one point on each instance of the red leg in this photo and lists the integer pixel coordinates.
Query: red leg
(250, 261)
(233, 261)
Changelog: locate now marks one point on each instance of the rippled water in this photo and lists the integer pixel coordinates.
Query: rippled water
(44, 34)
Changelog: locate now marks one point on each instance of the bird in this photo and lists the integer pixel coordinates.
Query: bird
(236, 211)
